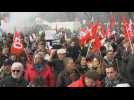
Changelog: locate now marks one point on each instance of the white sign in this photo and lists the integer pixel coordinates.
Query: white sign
(50, 34)
(3, 25)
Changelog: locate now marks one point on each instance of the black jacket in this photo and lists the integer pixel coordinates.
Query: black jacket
(11, 82)
(2, 59)
(65, 78)
(57, 67)
(130, 69)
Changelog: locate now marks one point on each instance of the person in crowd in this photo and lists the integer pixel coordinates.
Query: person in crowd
(73, 51)
(82, 65)
(109, 58)
(33, 47)
(130, 68)
(57, 63)
(5, 54)
(89, 79)
(95, 64)
(5, 70)
(125, 53)
(13, 58)
(39, 70)
(98, 67)
(5, 43)
(16, 78)
(112, 77)
(69, 74)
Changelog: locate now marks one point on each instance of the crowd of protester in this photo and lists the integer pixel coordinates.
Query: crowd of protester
(70, 65)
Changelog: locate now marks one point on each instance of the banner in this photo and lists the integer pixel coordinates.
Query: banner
(17, 46)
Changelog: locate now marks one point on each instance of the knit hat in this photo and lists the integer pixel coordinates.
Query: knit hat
(92, 75)
(7, 62)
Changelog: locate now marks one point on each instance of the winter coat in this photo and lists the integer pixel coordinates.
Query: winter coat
(11, 82)
(57, 67)
(123, 60)
(46, 74)
(112, 83)
(130, 69)
(80, 83)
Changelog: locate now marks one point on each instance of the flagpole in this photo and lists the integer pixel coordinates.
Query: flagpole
(28, 58)
(130, 40)
(130, 44)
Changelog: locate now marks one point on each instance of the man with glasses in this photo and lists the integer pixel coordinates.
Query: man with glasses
(16, 78)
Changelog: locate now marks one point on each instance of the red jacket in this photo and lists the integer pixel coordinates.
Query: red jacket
(80, 83)
(46, 74)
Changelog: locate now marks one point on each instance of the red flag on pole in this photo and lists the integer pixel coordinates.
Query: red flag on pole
(103, 31)
(83, 37)
(96, 44)
(16, 34)
(128, 32)
(112, 21)
(17, 46)
(126, 28)
(94, 29)
(124, 22)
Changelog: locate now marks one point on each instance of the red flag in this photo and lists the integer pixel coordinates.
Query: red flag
(124, 22)
(112, 21)
(16, 34)
(103, 31)
(17, 46)
(129, 29)
(83, 37)
(126, 28)
(94, 29)
(96, 44)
